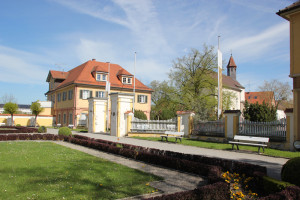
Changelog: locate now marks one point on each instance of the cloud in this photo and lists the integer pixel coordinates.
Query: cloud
(21, 67)
(137, 16)
(260, 44)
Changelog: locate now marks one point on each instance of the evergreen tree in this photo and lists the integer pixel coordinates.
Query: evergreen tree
(259, 112)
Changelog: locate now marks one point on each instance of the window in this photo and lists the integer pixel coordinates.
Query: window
(70, 95)
(65, 118)
(58, 121)
(249, 97)
(58, 97)
(101, 77)
(85, 94)
(99, 94)
(64, 96)
(126, 80)
(255, 97)
(142, 99)
(70, 118)
(98, 78)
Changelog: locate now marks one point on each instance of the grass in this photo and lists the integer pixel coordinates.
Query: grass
(44, 170)
(223, 146)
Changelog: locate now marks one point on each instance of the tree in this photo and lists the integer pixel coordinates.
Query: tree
(140, 114)
(8, 98)
(228, 99)
(259, 112)
(193, 78)
(36, 109)
(282, 91)
(10, 108)
(163, 99)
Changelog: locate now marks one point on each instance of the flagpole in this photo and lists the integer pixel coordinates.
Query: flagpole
(219, 79)
(134, 83)
(107, 92)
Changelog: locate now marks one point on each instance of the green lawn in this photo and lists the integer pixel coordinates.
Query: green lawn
(223, 146)
(44, 170)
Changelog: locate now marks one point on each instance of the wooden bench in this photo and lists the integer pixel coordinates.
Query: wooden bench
(2, 124)
(176, 135)
(249, 141)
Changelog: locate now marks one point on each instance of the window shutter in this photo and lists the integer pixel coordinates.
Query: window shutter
(146, 99)
(80, 94)
(91, 94)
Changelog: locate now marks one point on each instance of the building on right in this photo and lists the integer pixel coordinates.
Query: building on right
(292, 14)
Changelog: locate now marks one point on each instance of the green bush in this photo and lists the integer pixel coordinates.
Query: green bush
(18, 125)
(64, 131)
(272, 186)
(140, 114)
(42, 129)
(259, 112)
(290, 171)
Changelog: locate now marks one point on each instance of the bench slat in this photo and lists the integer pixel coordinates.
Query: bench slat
(249, 144)
(250, 138)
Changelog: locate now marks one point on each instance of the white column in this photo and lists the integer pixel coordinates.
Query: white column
(186, 122)
(97, 115)
(120, 104)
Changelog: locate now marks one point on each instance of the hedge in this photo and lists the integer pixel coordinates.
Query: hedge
(18, 129)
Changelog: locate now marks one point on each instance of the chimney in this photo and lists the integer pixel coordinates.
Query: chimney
(93, 59)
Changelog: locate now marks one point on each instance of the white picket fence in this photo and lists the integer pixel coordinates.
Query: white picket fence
(209, 128)
(275, 129)
(153, 126)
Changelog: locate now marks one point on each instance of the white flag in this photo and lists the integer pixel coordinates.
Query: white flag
(219, 58)
(107, 87)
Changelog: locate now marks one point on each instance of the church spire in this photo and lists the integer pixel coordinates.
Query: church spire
(231, 68)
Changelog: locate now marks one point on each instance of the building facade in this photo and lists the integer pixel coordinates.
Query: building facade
(69, 91)
(292, 14)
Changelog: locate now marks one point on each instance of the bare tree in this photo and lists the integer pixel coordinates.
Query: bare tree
(282, 91)
(8, 98)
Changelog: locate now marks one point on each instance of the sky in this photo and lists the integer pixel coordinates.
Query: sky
(41, 35)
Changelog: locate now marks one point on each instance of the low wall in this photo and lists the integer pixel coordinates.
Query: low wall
(27, 120)
(145, 134)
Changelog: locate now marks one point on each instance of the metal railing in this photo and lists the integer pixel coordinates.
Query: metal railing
(275, 130)
(153, 126)
(209, 128)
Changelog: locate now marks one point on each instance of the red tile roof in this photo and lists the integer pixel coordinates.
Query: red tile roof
(253, 97)
(57, 75)
(231, 62)
(83, 74)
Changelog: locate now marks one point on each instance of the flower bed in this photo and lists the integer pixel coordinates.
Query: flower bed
(17, 129)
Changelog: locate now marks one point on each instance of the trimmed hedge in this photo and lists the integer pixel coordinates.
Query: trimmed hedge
(291, 192)
(216, 191)
(31, 137)
(18, 129)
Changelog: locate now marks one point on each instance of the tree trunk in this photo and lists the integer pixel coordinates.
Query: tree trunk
(12, 119)
(35, 121)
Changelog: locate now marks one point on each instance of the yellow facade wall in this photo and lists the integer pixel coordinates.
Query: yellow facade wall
(25, 120)
(295, 43)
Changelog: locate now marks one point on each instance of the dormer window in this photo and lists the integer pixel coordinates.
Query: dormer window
(127, 80)
(101, 77)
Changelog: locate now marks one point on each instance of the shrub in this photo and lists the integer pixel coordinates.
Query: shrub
(259, 112)
(290, 171)
(18, 125)
(64, 131)
(140, 114)
(271, 186)
(42, 129)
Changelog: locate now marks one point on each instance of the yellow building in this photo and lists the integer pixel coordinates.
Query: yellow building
(292, 14)
(69, 91)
